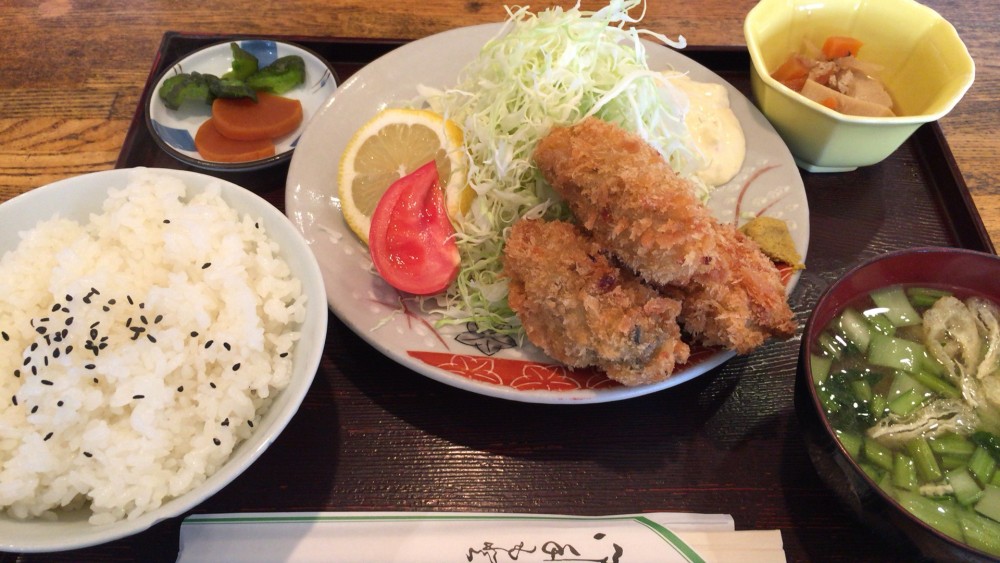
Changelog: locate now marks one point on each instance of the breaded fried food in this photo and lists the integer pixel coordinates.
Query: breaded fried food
(624, 193)
(622, 190)
(584, 311)
(740, 303)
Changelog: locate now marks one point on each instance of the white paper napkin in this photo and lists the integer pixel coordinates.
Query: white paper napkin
(440, 537)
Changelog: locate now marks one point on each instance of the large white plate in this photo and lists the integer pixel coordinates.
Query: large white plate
(769, 182)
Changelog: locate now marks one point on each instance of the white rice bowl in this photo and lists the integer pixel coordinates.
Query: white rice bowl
(158, 329)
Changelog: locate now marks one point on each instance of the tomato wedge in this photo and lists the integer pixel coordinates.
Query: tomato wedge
(411, 240)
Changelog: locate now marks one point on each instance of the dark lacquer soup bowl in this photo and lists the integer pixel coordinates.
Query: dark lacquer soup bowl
(885, 473)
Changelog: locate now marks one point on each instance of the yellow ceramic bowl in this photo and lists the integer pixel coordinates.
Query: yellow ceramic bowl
(927, 70)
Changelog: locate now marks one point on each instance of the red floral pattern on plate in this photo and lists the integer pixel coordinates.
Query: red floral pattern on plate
(527, 375)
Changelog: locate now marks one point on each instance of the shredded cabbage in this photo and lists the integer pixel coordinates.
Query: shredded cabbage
(542, 70)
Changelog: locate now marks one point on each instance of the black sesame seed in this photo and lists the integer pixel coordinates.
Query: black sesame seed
(283, 355)
(225, 422)
(69, 321)
(143, 319)
(105, 308)
(180, 389)
(250, 422)
(40, 330)
(206, 265)
(65, 309)
(90, 366)
(129, 298)
(94, 291)
(211, 384)
(102, 346)
(59, 404)
(95, 324)
(13, 399)
(27, 361)
(209, 344)
(45, 360)
(17, 373)
(217, 441)
(158, 319)
(151, 339)
(142, 305)
(93, 333)
(34, 370)
(56, 307)
(46, 382)
(69, 297)
(166, 221)
(44, 319)
(34, 409)
(138, 396)
(128, 322)
(55, 353)
(34, 346)
(95, 380)
(236, 366)
(227, 346)
(69, 348)
(194, 334)
(47, 436)
(5, 336)
(112, 301)
(88, 454)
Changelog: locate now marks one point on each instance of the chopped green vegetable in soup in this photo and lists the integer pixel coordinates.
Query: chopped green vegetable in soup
(909, 378)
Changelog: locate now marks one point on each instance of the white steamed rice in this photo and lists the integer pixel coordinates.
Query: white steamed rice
(137, 350)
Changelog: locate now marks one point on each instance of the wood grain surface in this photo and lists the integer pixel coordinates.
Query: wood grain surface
(72, 71)
(372, 435)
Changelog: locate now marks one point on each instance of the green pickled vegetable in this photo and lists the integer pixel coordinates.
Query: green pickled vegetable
(244, 80)
(232, 88)
(180, 88)
(244, 64)
(280, 76)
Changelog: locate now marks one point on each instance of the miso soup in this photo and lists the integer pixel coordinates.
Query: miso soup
(909, 378)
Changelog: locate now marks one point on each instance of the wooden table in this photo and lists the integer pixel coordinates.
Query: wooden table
(374, 436)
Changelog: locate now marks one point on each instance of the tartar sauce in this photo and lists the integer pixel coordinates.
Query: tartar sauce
(714, 127)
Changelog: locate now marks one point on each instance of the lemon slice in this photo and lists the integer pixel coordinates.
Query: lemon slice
(391, 145)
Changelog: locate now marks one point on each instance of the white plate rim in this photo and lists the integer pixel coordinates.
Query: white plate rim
(311, 199)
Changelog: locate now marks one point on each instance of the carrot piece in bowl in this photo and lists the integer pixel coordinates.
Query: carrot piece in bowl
(269, 117)
(838, 46)
(213, 145)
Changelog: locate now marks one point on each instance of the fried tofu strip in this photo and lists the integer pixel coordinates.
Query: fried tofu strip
(624, 193)
(584, 311)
